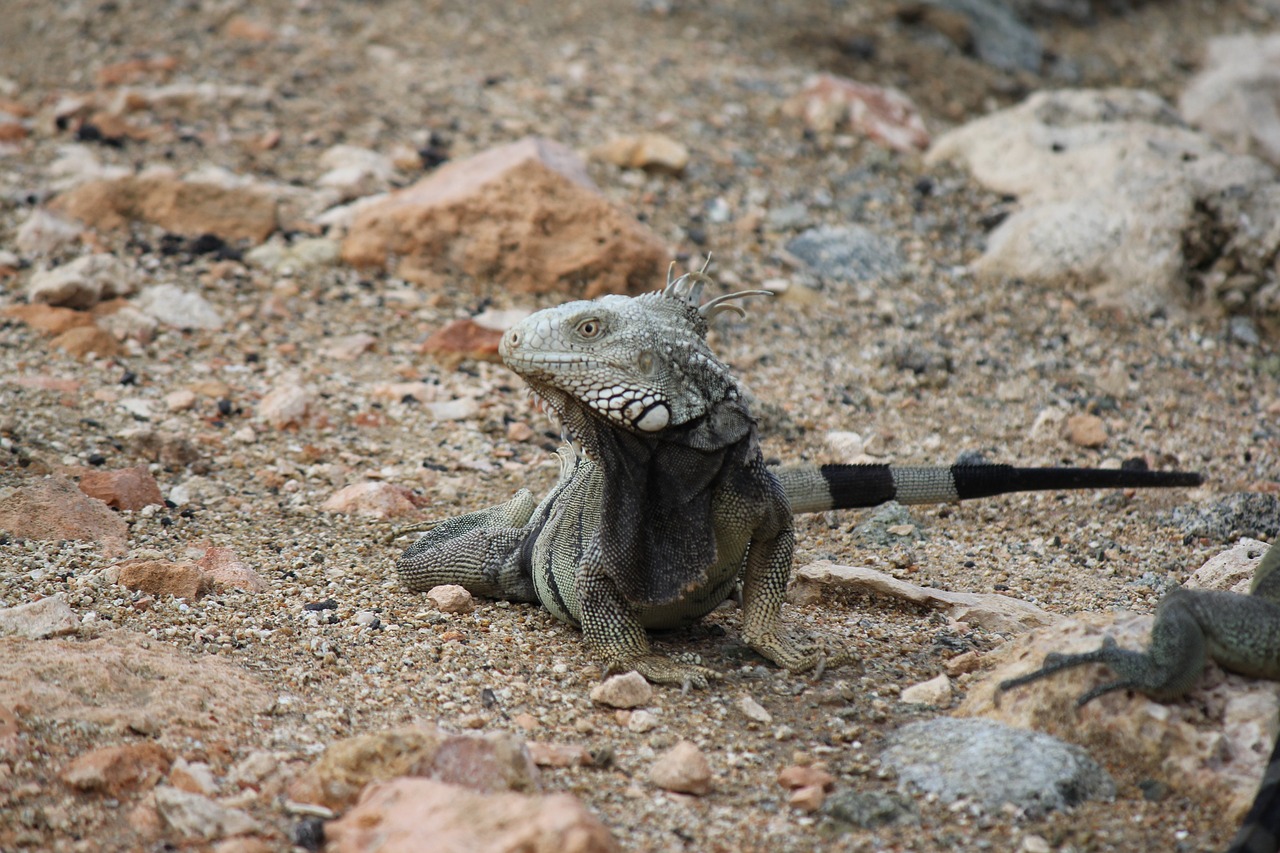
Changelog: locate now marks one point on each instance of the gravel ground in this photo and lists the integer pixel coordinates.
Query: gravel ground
(924, 365)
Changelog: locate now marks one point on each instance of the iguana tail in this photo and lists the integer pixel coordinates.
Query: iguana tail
(1260, 832)
(813, 488)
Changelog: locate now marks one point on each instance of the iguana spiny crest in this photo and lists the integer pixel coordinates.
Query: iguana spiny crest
(640, 363)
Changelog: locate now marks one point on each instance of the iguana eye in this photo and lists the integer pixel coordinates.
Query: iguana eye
(589, 328)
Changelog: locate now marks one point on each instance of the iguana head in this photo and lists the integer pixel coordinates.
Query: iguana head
(640, 364)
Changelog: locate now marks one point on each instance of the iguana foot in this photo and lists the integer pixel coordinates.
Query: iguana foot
(661, 669)
(816, 655)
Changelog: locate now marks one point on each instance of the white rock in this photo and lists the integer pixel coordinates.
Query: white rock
(1236, 98)
(179, 308)
(683, 769)
(82, 283)
(196, 816)
(453, 410)
(43, 233)
(1232, 569)
(288, 403)
(642, 721)
(753, 710)
(48, 617)
(629, 690)
(936, 691)
(451, 598)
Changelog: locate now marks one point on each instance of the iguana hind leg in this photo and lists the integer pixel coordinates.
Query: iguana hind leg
(479, 551)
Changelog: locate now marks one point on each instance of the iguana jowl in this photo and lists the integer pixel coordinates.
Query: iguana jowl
(664, 503)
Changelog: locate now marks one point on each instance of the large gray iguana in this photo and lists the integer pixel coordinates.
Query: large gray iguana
(664, 504)
(1240, 632)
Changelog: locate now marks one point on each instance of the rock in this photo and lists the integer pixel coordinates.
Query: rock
(181, 400)
(869, 809)
(196, 816)
(118, 770)
(1250, 514)
(560, 755)
(123, 320)
(48, 617)
(453, 410)
(640, 721)
(225, 571)
(300, 255)
(999, 38)
(179, 308)
(288, 404)
(1232, 569)
(161, 577)
(847, 254)
(653, 152)
(754, 711)
(349, 347)
(1085, 430)
(408, 815)
(354, 171)
(373, 500)
(451, 598)
(1211, 746)
(798, 776)
(1236, 98)
(628, 690)
(194, 777)
(82, 283)
(828, 103)
(44, 233)
(936, 692)
(682, 769)
(989, 611)
(84, 341)
(489, 763)
(1116, 195)
(129, 682)
(47, 318)
(463, 339)
(993, 764)
(524, 217)
(55, 508)
(124, 488)
(807, 800)
(183, 207)
(169, 449)
(887, 524)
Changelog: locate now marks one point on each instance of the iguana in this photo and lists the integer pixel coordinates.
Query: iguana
(1240, 632)
(664, 505)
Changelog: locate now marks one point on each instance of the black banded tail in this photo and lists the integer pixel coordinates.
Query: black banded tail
(816, 488)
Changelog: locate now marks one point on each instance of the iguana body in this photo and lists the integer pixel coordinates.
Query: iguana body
(664, 504)
(1240, 632)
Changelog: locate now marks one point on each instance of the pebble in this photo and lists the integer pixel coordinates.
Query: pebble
(48, 617)
(196, 816)
(179, 308)
(373, 500)
(451, 598)
(1086, 430)
(753, 710)
(653, 152)
(124, 488)
(847, 254)
(682, 769)
(82, 283)
(117, 770)
(936, 692)
(288, 404)
(641, 720)
(628, 690)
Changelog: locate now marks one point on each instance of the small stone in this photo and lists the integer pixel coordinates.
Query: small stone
(885, 114)
(83, 341)
(451, 598)
(44, 233)
(288, 404)
(519, 431)
(116, 770)
(807, 800)
(641, 721)
(124, 488)
(682, 769)
(1034, 844)
(196, 816)
(55, 508)
(48, 617)
(181, 400)
(963, 663)
(161, 577)
(48, 318)
(82, 283)
(194, 777)
(653, 152)
(1086, 430)
(372, 499)
(754, 711)
(628, 690)
(225, 571)
(847, 253)
(799, 776)
(350, 347)
(453, 410)
(936, 691)
(463, 339)
(560, 755)
(179, 308)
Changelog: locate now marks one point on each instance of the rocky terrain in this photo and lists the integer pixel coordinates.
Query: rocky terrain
(254, 262)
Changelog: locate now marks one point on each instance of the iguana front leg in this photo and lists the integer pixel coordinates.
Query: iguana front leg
(764, 589)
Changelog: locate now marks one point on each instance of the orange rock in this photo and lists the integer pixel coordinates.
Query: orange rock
(797, 776)
(55, 508)
(375, 499)
(1086, 430)
(134, 70)
(47, 318)
(79, 341)
(183, 207)
(11, 131)
(240, 27)
(226, 571)
(524, 216)
(116, 770)
(463, 338)
(161, 577)
(124, 488)
(423, 814)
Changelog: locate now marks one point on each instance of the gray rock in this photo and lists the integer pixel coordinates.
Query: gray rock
(1252, 514)
(1236, 98)
(196, 816)
(83, 283)
(887, 525)
(48, 617)
(869, 809)
(993, 764)
(847, 253)
(181, 309)
(999, 38)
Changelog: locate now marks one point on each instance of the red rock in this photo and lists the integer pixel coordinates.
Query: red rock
(161, 577)
(461, 339)
(55, 508)
(117, 770)
(183, 207)
(411, 815)
(81, 341)
(124, 488)
(882, 113)
(226, 571)
(376, 500)
(47, 318)
(523, 216)
(12, 131)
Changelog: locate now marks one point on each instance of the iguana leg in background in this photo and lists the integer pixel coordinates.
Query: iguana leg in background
(1240, 632)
